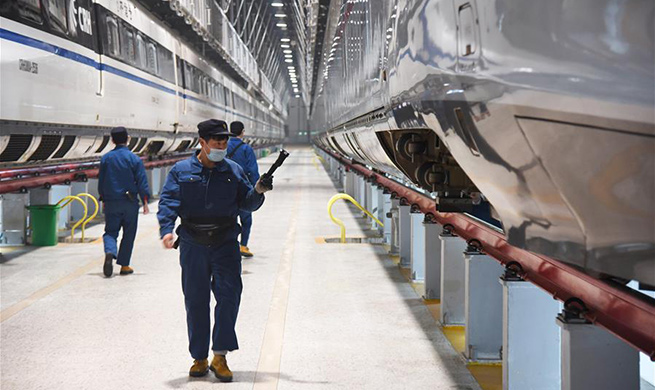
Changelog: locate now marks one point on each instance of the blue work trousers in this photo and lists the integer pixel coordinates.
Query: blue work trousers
(120, 214)
(245, 217)
(206, 269)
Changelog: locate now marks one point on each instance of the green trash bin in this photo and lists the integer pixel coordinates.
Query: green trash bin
(264, 152)
(43, 219)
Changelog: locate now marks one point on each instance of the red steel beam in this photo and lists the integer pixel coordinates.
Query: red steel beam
(68, 177)
(628, 315)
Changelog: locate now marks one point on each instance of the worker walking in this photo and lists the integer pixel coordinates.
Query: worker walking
(207, 191)
(242, 153)
(121, 183)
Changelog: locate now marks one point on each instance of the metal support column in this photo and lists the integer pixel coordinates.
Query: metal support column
(594, 359)
(155, 182)
(531, 339)
(405, 234)
(395, 228)
(386, 217)
(432, 259)
(93, 187)
(417, 262)
(452, 279)
(368, 195)
(76, 209)
(373, 195)
(13, 217)
(483, 307)
(350, 184)
(361, 192)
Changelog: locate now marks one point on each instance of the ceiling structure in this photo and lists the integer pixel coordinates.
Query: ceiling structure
(275, 32)
(272, 47)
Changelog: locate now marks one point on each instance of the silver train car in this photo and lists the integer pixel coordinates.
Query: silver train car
(72, 70)
(542, 111)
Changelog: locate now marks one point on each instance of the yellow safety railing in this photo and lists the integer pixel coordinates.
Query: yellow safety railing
(68, 199)
(315, 162)
(340, 222)
(95, 212)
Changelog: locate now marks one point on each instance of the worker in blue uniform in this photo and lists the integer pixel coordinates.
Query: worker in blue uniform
(242, 153)
(121, 183)
(207, 191)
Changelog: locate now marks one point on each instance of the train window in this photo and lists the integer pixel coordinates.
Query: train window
(111, 41)
(57, 12)
(152, 58)
(127, 44)
(30, 10)
(165, 65)
(141, 55)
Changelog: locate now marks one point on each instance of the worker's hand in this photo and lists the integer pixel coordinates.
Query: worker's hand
(146, 209)
(168, 240)
(264, 184)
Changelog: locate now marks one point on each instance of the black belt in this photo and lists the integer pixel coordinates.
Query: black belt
(209, 231)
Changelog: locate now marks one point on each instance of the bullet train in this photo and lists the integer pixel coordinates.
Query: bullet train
(542, 110)
(70, 70)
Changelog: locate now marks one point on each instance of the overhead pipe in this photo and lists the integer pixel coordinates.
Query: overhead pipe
(48, 180)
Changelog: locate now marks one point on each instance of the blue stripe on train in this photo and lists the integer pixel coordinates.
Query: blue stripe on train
(35, 43)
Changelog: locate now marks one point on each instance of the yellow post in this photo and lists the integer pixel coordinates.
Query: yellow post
(340, 222)
(69, 199)
(95, 201)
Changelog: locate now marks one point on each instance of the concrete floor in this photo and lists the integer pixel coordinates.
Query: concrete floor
(313, 315)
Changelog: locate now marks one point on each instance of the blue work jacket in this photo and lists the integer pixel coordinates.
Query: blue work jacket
(122, 172)
(245, 157)
(193, 191)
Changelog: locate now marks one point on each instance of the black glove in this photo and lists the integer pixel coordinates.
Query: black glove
(264, 184)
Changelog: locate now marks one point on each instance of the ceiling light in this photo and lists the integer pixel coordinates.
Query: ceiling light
(285, 40)
(281, 24)
(291, 67)
(288, 56)
(277, 4)
(296, 90)
(287, 51)
(297, 96)
(288, 61)
(280, 16)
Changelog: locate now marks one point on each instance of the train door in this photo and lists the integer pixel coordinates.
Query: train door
(180, 102)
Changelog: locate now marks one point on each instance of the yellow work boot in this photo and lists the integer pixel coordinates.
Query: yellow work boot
(245, 252)
(220, 369)
(199, 368)
(126, 270)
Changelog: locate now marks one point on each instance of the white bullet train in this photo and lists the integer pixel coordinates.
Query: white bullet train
(538, 113)
(70, 70)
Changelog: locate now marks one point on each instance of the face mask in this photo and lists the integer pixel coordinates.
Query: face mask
(216, 155)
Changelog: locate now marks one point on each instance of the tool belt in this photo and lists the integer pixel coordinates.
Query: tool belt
(210, 231)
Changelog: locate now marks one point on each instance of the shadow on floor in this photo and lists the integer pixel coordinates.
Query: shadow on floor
(240, 377)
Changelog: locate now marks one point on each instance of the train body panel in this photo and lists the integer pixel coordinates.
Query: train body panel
(547, 109)
(34, 80)
(73, 70)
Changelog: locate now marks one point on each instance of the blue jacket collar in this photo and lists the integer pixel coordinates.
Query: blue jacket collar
(197, 167)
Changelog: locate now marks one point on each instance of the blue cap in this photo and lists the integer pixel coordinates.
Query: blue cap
(212, 127)
(119, 135)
